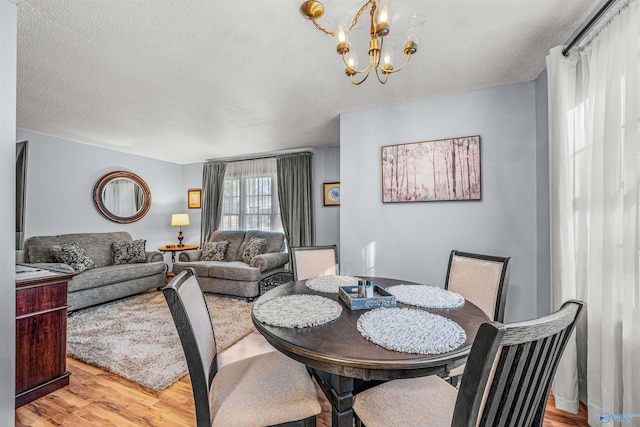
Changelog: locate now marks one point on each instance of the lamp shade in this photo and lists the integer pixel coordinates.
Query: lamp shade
(180, 219)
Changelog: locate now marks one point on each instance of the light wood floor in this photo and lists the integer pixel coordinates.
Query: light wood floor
(99, 398)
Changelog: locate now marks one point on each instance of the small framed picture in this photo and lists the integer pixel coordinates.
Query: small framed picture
(194, 198)
(331, 191)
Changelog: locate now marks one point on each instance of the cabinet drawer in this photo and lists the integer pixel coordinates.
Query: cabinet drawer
(40, 298)
(40, 349)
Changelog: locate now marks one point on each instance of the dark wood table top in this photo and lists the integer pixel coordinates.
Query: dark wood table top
(338, 347)
(177, 248)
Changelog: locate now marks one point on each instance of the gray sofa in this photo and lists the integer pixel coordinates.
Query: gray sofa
(105, 282)
(233, 276)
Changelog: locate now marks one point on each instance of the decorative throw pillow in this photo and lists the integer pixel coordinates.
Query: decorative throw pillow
(74, 256)
(130, 252)
(256, 246)
(214, 251)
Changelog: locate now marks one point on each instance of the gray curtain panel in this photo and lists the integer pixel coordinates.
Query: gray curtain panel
(212, 192)
(296, 200)
(21, 179)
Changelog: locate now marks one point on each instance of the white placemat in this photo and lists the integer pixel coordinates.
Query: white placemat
(297, 311)
(330, 284)
(426, 296)
(408, 330)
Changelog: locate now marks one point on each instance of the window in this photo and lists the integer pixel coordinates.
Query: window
(231, 205)
(250, 197)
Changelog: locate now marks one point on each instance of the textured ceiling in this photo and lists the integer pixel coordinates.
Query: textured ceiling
(185, 80)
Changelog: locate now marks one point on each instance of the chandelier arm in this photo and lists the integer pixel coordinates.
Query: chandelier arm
(395, 70)
(386, 76)
(365, 70)
(321, 28)
(361, 81)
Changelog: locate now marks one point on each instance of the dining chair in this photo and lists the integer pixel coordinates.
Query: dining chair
(481, 279)
(506, 382)
(262, 390)
(314, 261)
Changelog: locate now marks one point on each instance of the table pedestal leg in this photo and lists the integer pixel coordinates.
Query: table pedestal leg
(339, 392)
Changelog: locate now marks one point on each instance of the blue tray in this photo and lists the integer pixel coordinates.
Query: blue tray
(382, 298)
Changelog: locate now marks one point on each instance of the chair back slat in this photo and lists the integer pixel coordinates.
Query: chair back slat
(481, 279)
(493, 406)
(522, 375)
(550, 363)
(314, 261)
(193, 323)
(536, 367)
(508, 384)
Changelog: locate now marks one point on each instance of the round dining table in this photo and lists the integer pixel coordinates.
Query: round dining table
(344, 362)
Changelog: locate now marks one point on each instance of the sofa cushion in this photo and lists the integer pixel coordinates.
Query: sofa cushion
(255, 247)
(275, 241)
(73, 255)
(129, 252)
(101, 276)
(235, 239)
(234, 270)
(200, 267)
(230, 270)
(97, 246)
(214, 251)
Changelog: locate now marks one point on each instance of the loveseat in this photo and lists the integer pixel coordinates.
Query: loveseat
(233, 269)
(113, 271)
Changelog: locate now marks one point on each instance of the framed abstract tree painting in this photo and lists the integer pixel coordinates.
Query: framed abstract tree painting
(444, 169)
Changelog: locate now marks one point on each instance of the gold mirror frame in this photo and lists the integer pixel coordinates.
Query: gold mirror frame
(99, 202)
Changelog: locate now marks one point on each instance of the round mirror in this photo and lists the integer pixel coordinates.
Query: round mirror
(122, 197)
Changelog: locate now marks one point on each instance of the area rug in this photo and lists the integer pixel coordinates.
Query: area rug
(136, 338)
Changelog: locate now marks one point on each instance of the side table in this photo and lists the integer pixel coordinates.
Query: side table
(176, 248)
(173, 249)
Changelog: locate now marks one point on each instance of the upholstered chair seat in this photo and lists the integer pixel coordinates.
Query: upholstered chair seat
(264, 390)
(372, 406)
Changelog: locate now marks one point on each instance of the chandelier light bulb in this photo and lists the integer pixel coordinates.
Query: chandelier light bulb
(351, 60)
(342, 32)
(383, 17)
(388, 55)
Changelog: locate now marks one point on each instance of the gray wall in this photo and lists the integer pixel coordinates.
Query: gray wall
(326, 168)
(8, 25)
(192, 179)
(542, 196)
(61, 175)
(412, 241)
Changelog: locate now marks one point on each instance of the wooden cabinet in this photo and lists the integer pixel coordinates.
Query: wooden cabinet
(41, 332)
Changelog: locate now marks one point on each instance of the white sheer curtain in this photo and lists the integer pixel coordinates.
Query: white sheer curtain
(251, 168)
(251, 201)
(594, 113)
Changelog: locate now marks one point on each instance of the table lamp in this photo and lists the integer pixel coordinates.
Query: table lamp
(180, 220)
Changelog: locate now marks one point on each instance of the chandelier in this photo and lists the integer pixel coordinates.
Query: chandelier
(381, 54)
